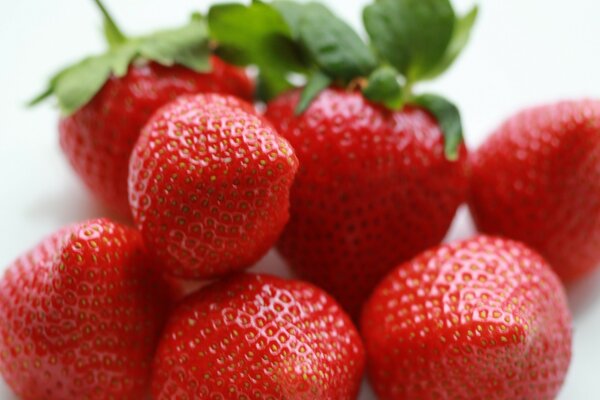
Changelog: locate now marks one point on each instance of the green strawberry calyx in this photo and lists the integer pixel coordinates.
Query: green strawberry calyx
(409, 41)
(77, 84)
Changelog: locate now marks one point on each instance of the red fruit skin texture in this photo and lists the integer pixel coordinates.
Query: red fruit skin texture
(480, 319)
(537, 180)
(80, 316)
(258, 337)
(98, 138)
(373, 190)
(209, 185)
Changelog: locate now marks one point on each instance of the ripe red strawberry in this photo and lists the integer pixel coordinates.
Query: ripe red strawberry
(107, 99)
(258, 337)
(209, 185)
(537, 180)
(99, 137)
(373, 189)
(80, 316)
(480, 319)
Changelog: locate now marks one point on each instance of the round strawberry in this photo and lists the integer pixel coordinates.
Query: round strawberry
(107, 99)
(537, 179)
(373, 189)
(258, 337)
(209, 185)
(382, 167)
(80, 316)
(480, 319)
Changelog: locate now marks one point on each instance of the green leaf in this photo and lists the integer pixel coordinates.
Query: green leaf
(187, 46)
(315, 85)
(292, 12)
(460, 37)
(121, 57)
(286, 36)
(411, 35)
(77, 84)
(41, 97)
(448, 117)
(271, 84)
(113, 35)
(383, 87)
(247, 30)
(333, 45)
(257, 35)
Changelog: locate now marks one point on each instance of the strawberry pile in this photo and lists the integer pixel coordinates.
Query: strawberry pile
(349, 172)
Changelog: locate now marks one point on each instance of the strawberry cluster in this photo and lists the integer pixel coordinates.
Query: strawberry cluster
(355, 179)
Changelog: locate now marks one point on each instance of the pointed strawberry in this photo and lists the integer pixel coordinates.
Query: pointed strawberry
(537, 179)
(80, 315)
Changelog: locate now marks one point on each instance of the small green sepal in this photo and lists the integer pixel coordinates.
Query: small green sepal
(333, 45)
(460, 37)
(383, 87)
(112, 33)
(448, 117)
(315, 85)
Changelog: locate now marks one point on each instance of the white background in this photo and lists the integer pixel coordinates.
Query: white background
(522, 53)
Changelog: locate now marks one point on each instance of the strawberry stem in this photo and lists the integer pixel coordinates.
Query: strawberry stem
(407, 92)
(113, 34)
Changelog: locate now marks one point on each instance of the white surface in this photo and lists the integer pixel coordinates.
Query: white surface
(522, 52)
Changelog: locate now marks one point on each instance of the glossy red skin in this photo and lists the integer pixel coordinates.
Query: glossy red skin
(98, 138)
(537, 180)
(373, 189)
(209, 185)
(258, 337)
(80, 316)
(480, 319)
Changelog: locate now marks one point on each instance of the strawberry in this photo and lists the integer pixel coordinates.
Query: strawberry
(382, 169)
(80, 316)
(258, 337)
(537, 180)
(99, 128)
(373, 189)
(209, 185)
(480, 319)
(99, 137)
